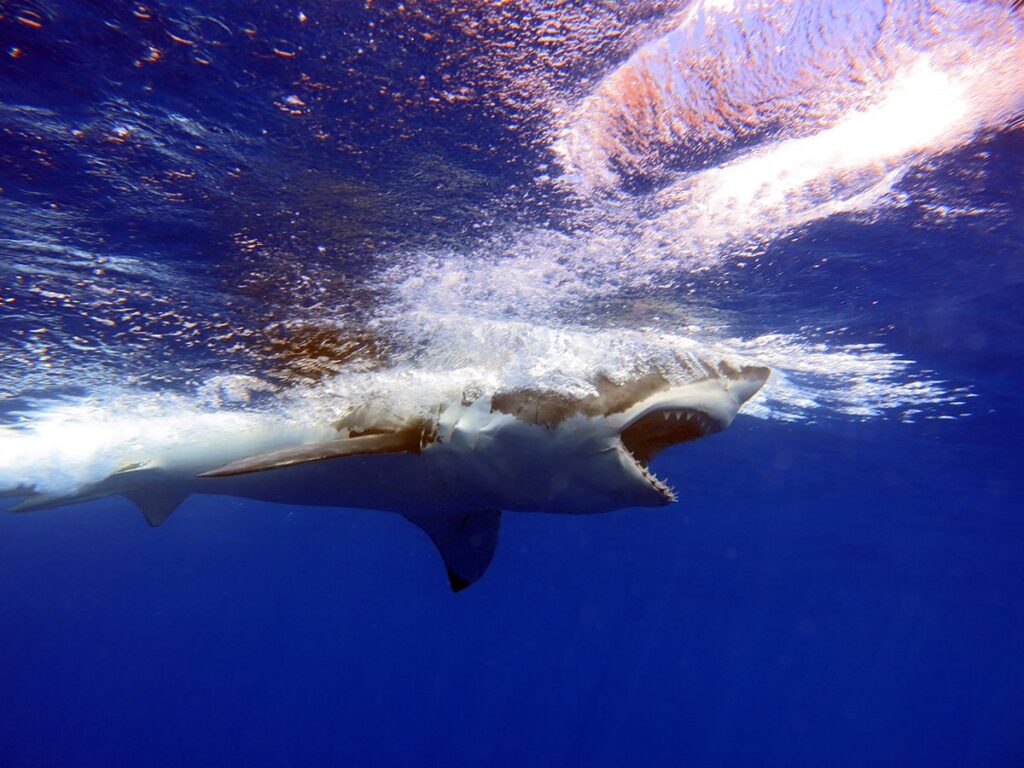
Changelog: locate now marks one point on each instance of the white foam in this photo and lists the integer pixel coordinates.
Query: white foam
(850, 166)
(525, 310)
(70, 444)
(67, 445)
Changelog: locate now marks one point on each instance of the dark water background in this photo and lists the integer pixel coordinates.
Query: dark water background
(820, 596)
(835, 593)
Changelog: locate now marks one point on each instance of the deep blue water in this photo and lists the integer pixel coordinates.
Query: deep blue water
(831, 591)
(820, 596)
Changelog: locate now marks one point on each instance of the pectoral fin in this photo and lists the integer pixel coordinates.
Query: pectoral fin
(155, 500)
(34, 502)
(157, 503)
(405, 441)
(466, 543)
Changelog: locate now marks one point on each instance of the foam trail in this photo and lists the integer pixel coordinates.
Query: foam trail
(733, 72)
(849, 166)
(749, 120)
(746, 121)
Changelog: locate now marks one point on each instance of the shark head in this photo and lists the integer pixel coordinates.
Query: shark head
(545, 452)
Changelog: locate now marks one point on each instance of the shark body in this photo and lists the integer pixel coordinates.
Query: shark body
(452, 471)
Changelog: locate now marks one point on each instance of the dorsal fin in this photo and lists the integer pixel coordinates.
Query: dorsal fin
(156, 502)
(404, 441)
(466, 543)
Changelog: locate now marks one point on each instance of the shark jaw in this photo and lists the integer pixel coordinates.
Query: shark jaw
(657, 429)
(682, 414)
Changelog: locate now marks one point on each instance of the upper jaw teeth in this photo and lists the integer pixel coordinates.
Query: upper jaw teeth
(687, 415)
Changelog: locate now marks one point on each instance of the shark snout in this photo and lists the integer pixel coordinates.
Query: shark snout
(746, 382)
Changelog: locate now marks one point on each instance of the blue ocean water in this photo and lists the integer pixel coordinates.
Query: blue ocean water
(288, 191)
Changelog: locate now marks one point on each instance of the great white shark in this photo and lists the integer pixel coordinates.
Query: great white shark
(451, 470)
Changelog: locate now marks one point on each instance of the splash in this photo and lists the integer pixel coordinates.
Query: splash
(65, 445)
(700, 135)
(741, 124)
(62, 446)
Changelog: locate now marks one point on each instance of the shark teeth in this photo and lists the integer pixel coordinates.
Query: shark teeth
(655, 482)
(649, 434)
(663, 488)
(682, 415)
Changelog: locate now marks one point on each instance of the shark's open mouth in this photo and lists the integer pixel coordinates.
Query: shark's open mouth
(656, 430)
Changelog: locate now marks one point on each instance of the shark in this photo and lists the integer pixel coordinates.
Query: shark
(452, 469)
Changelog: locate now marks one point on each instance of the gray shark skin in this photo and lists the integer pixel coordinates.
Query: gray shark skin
(451, 474)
